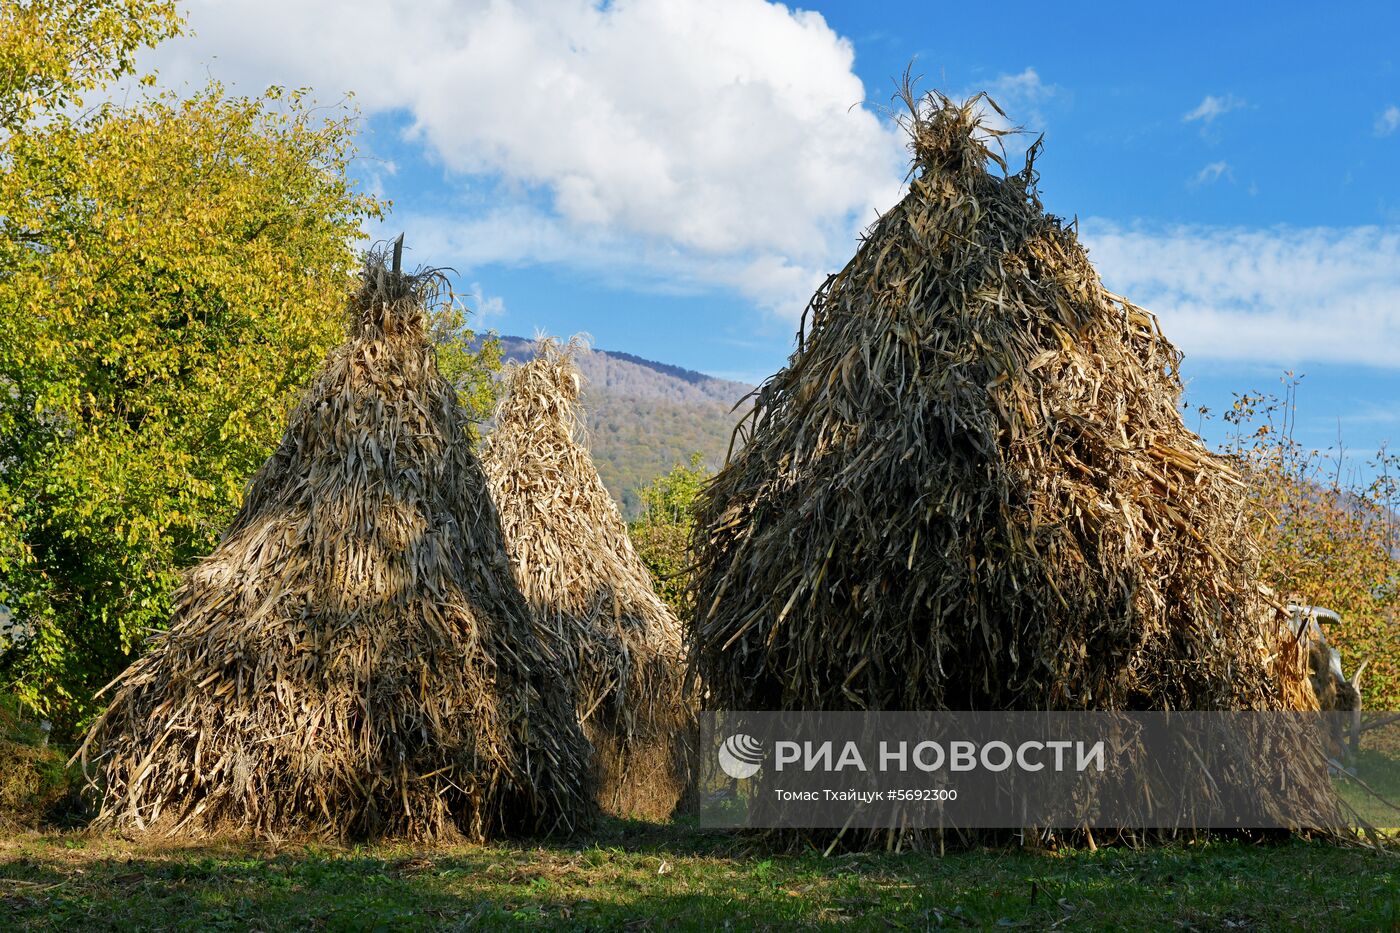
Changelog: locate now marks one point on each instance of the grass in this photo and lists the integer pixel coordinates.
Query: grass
(643, 876)
(1380, 770)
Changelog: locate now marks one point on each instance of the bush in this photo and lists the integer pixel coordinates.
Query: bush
(1330, 537)
(662, 535)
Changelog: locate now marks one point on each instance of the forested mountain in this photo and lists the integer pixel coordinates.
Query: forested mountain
(645, 417)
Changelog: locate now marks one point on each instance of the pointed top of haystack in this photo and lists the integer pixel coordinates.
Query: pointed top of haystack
(354, 659)
(591, 594)
(971, 486)
(542, 394)
(388, 301)
(538, 463)
(951, 141)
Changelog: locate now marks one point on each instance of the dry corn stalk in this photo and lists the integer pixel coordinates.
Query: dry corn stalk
(971, 487)
(354, 659)
(591, 594)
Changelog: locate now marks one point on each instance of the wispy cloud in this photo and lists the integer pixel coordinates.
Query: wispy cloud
(1282, 295)
(521, 235)
(1369, 413)
(484, 307)
(376, 173)
(1212, 107)
(1211, 173)
(1021, 95)
(1388, 121)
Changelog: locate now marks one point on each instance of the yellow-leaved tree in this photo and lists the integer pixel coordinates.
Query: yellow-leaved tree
(1330, 534)
(171, 271)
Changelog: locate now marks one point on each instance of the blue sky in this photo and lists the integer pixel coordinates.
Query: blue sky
(674, 176)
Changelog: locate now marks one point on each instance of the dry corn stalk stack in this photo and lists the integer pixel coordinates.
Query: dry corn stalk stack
(354, 659)
(591, 594)
(971, 488)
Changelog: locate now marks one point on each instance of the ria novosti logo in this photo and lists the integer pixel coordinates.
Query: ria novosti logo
(740, 756)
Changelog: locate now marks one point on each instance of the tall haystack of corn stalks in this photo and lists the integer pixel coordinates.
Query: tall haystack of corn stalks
(591, 595)
(354, 659)
(971, 487)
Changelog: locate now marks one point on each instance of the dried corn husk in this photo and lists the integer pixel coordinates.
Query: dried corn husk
(354, 659)
(591, 594)
(971, 486)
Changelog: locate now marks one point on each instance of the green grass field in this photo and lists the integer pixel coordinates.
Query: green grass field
(1377, 801)
(640, 876)
(647, 876)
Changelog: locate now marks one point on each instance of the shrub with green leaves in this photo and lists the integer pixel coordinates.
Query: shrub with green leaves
(662, 535)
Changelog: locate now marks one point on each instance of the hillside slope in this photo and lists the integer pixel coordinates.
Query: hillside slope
(644, 417)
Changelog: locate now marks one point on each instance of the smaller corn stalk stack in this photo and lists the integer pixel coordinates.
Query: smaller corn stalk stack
(354, 659)
(591, 595)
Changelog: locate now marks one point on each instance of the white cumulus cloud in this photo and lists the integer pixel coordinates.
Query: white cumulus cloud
(722, 137)
(1280, 295)
(689, 145)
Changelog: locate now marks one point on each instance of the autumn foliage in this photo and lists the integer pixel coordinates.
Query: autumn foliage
(172, 269)
(1330, 533)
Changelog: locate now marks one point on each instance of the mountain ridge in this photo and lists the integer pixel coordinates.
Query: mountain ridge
(643, 417)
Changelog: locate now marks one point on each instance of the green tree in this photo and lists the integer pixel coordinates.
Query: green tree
(662, 534)
(467, 361)
(170, 273)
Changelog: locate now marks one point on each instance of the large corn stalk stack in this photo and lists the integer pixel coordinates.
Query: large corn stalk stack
(591, 594)
(971, 487)
(354, 659)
